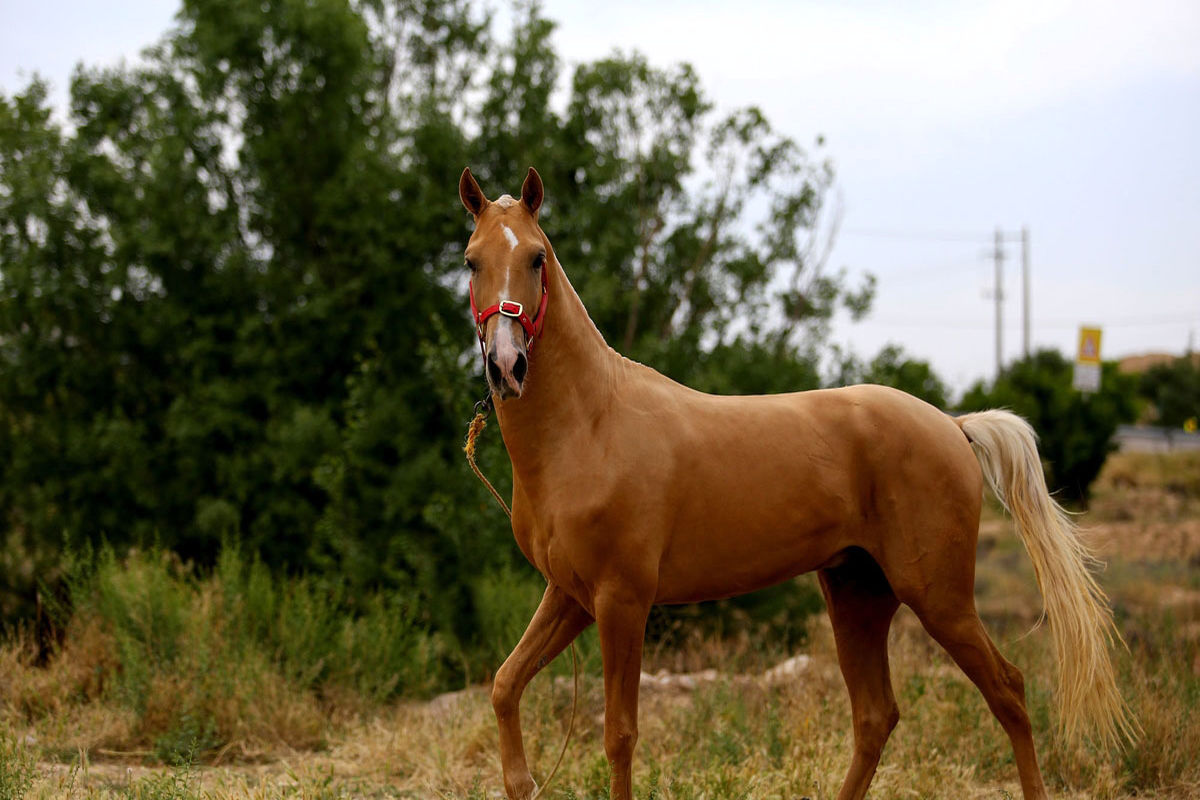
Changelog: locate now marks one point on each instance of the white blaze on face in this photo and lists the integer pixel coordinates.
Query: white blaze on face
(510, 237)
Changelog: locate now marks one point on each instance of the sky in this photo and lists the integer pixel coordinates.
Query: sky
(944, 121)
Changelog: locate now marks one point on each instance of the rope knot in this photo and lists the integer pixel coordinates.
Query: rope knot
(473, 430)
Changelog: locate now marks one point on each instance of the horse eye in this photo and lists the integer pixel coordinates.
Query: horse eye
(539, 261)
(470, 265)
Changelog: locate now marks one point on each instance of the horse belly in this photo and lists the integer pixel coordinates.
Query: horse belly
(752, 534)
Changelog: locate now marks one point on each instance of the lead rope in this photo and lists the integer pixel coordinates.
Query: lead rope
(482, 409)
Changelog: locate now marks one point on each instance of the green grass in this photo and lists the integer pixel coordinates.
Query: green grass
(17, 768)
(232, 683)
(235, 657)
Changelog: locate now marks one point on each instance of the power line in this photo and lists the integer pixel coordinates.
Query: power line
(926, 323)
(915, 235)
(998, 238)
(996, 253)
(980, 325)
(921, 270)
(1133, 322)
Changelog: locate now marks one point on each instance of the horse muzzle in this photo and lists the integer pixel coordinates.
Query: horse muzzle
(507, 361)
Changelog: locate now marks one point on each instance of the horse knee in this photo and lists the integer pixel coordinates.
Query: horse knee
(505, 694)
(619, 741)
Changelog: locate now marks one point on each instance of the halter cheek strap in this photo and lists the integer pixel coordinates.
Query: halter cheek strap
(511, 308)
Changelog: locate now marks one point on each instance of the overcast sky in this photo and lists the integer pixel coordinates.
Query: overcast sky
(1078, 119)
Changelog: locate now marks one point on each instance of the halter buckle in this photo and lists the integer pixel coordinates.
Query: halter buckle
(511, 308)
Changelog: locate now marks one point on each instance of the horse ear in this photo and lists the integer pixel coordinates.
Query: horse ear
(532, 191)
(470, 194)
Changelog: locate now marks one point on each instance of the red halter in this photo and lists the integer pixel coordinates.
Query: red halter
(511, 308)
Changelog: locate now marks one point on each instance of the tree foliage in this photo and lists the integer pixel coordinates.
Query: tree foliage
(1075, 429)
(892, 367)
(1173, 391)
(231, 299)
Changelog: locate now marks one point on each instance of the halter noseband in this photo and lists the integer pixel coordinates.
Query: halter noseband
(511, 308)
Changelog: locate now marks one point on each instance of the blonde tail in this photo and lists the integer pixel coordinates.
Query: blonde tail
(1081, 621)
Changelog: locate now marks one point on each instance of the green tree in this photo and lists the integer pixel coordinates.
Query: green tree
(1173, 390)
(892, 367)
(223, 294)
(693, 268)
(1075, 429)
(231, 293)
(698, 240)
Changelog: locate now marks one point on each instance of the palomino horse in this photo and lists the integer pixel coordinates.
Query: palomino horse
(630, 489)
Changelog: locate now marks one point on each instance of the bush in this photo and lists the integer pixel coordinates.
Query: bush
(1075, 429)
(1173, 390)
(892, 367)
(234, 654)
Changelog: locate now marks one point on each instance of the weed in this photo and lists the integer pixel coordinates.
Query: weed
(476, 791)
(776, 742)
(189, 737)
(17, 769)
(176, 784)
(652, 791)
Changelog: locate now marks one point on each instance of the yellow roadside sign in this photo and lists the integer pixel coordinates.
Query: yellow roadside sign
(1087, 361)
(1089, 346)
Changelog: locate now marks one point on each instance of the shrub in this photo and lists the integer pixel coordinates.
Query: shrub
(1173, 390)
(234, 654)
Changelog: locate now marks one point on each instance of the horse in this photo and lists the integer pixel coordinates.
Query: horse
(631, 490)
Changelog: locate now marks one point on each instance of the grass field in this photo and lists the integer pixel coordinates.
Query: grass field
(726, 731)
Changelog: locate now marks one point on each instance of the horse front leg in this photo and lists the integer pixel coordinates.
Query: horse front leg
(555, 624)
(621, 619)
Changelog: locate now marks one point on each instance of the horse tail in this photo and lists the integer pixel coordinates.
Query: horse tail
(1081, 621)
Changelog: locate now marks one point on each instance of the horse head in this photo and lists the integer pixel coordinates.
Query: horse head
(506, 255)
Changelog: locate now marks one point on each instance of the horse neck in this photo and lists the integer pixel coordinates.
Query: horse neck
(571, 371)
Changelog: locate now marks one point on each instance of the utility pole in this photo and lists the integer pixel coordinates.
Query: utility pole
(1025, 287)
(999, 296)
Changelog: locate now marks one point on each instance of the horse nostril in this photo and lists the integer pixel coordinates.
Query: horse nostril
(494, 371)
(519, 369)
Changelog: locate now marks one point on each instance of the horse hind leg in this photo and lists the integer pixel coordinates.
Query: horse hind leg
(861, 606)
(952, 620)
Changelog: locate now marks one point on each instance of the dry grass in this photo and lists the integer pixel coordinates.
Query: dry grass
(734, 737)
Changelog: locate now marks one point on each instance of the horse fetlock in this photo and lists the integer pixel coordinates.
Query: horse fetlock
(522, 787)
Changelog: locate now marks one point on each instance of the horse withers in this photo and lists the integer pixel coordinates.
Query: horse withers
(630, 490)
